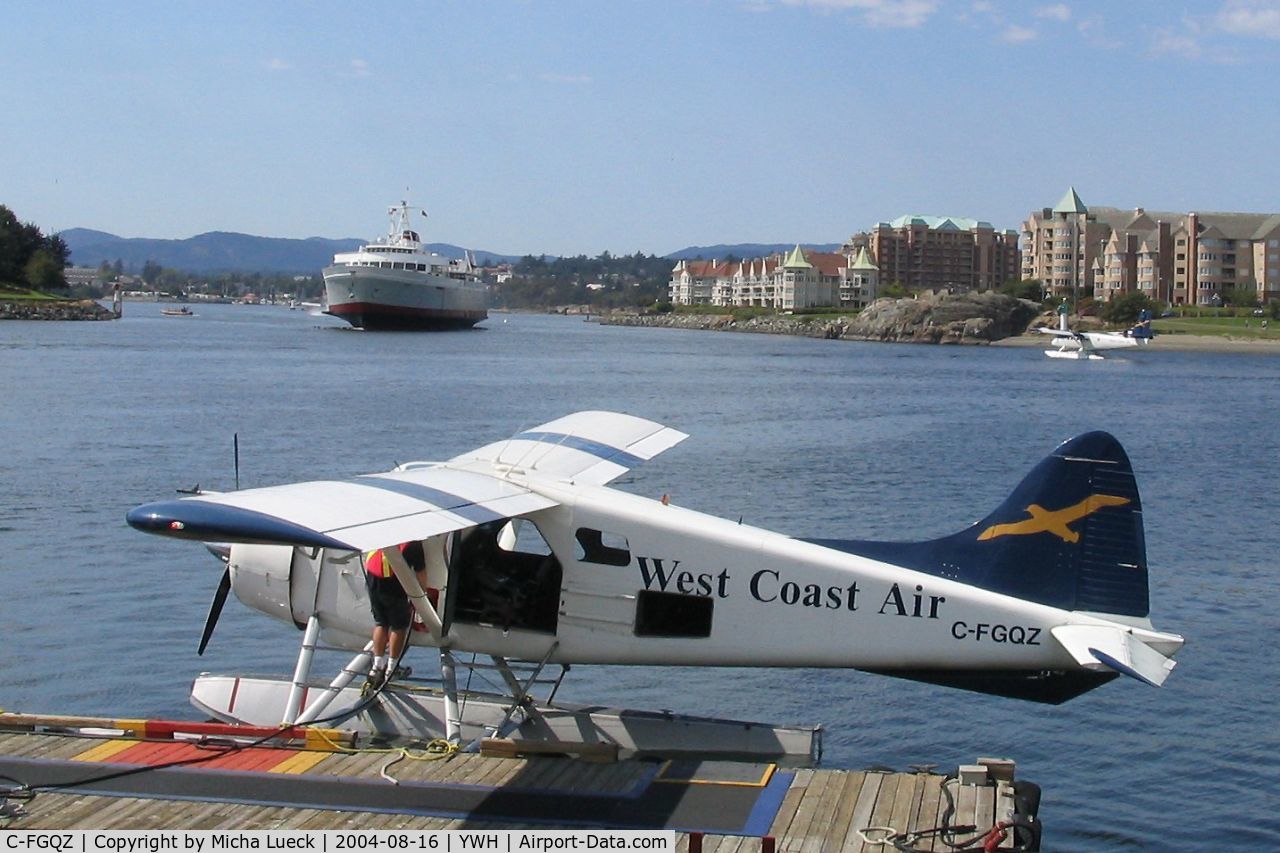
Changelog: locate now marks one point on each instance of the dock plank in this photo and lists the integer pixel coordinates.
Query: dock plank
(862, 808)
(942, 807)
(804, 822)
(907, 804)
(966, 807)
(985, 811)
(469, 768)
(495, 771)
(824, 813)
(60, 811)
(820, 811)
(790, 804)
(891, 788)
(32, 746)
(844, 813)
(540, 773)
(202, 816)
(125, 812)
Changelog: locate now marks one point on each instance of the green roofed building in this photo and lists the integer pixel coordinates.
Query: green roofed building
(795, 281)
(1173, 257)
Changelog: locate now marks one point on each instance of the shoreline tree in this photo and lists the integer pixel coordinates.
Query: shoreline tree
(28, 257)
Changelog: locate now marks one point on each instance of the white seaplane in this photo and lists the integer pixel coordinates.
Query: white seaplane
(532, 561)
(1091, 345)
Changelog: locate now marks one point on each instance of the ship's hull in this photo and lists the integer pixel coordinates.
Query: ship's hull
(386, 299)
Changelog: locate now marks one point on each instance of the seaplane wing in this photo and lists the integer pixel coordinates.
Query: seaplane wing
(419, 500)
(587, 448)
(359, 514)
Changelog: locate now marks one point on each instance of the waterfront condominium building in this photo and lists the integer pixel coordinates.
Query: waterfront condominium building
(799, 280)
(1177, 258)
(940, 253)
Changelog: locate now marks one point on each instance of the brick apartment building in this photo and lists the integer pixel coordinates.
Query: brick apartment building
(1177, 258)
(940, 253)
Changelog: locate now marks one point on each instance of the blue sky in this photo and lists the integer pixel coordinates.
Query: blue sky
(579, 127)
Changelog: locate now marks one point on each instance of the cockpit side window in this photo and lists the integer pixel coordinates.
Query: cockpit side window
(607, 549)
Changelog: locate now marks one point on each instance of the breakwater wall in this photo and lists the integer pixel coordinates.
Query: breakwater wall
(44, 309)
(976, 318)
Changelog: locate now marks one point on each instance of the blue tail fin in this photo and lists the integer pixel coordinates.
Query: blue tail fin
(1070, 536)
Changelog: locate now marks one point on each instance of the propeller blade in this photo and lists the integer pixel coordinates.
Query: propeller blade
(215, 609)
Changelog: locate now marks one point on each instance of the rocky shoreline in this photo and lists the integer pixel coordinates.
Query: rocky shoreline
(970, 318)
(50, 309)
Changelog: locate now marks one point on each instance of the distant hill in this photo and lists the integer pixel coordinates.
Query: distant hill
(225, 251)
(745, 250)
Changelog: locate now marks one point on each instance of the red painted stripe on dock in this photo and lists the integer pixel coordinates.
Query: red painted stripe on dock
(152, 754)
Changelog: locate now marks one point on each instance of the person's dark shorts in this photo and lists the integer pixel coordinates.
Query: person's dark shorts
(388, 602)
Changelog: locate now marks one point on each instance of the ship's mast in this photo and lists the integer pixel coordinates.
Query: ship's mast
(400, 220)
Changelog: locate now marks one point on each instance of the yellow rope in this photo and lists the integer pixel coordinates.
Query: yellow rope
(435, 749)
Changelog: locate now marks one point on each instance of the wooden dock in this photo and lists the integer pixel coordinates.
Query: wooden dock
(107, 778)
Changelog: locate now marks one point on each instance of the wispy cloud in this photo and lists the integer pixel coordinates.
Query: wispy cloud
(1056, 12)
(1014, 34)
(878, 13)
(1218, 36)
(358, 68)
(1094, 31)
(1255, 18)
(275, 63)
(1183, 44)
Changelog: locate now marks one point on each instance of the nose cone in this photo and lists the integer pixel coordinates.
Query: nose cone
(221, 550)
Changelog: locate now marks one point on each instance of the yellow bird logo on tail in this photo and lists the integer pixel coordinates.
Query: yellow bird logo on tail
(1053, 521)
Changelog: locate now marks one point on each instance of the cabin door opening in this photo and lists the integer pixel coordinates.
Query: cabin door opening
(503, 573)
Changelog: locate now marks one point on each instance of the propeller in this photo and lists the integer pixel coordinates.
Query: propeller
(224, 585)
(215, 609)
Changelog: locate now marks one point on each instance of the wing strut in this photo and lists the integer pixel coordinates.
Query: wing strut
(302, 670)
(417, 596)
(519, 690)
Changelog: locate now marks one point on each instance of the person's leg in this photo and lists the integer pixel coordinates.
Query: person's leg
(396, 638)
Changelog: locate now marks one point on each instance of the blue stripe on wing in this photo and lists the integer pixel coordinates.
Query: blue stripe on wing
(586, 445)
(456, 504)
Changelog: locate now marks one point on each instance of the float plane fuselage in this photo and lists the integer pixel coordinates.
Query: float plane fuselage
(529, 555)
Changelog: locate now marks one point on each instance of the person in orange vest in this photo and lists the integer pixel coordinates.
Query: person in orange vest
(392, 611)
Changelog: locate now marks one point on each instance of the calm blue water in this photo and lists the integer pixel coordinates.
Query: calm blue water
(810, 438)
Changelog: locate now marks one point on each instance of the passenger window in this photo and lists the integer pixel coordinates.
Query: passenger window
(669, 614)
(519, 536)
(607, 549)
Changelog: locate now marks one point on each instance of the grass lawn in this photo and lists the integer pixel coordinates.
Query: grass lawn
(1234, 327)
(10, 292)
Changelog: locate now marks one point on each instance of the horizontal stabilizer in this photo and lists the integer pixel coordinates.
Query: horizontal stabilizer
(1097, 646)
